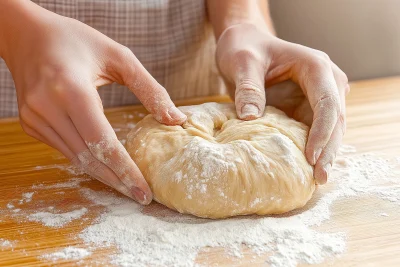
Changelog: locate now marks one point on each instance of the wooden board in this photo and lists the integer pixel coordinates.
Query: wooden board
(373, 109)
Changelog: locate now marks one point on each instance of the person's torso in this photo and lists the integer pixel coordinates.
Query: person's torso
(171, 38)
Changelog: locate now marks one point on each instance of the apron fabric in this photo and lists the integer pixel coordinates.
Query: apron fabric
(172, 39)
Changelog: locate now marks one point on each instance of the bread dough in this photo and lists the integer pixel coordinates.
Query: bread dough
(217, 166)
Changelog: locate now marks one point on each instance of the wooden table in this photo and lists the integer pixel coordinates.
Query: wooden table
(373, 109)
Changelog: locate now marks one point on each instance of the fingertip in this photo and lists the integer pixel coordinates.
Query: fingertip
(171, 116)
(320, 180)
(321, 173)
(140, 196)
(249, 112)
(177, 117)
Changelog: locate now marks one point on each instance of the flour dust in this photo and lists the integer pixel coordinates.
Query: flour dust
(154, 236)
(69, 253)
(145, 238)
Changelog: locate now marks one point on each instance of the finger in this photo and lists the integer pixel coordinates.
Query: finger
(344, 88)
(85, 160)
(248, 76)
(101, 172)
(103, 144)
(324, 164)
(341, 79)
(317, 80)
(68, 139)
(150, 93)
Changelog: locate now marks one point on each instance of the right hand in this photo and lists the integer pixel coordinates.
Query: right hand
(57, 64)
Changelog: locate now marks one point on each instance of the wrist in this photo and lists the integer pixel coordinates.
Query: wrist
(240, 29)
(224, 14)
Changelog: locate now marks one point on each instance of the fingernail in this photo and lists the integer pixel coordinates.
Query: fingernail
(317, 153)
(139, 195)
(249, 111)
(327, 170)
(176, 114)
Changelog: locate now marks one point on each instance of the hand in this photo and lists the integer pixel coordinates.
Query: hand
(253, 62)
(57, 63)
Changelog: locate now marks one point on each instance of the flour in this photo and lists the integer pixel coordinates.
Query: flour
(71, 169)
(5, 244)
(176, 239)
(69, 253)
(27, 197)
(72, 183)
(210, 157)
(287, 146)
(145, 238)
(56, 219)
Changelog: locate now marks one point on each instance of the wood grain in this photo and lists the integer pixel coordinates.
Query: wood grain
(373, 124)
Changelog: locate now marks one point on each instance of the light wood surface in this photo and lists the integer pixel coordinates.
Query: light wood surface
(373, 109)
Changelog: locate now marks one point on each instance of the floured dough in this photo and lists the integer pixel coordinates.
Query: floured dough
(217, 166)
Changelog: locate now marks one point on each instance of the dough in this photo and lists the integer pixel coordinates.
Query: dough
(216, 165)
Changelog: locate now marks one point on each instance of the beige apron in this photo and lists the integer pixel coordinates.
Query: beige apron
(172, 38)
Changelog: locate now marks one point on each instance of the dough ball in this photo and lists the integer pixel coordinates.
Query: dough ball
(217, 166)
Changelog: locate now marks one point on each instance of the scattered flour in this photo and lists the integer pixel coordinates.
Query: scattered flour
(145, 238)
(56, 219)
(72, 183)
(71, 169)
(4, 244)
(131, 125)
(162, 237)
(69, 253)
(27, 197)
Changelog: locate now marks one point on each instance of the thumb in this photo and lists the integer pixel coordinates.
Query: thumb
(151, 94)
(250, 91)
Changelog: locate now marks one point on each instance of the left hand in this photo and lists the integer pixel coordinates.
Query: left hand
(253, 62)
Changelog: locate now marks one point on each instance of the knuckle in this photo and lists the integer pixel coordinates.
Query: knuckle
(245, 55)
(248, 91)
(124, 65)
(33, 101)
(323, 55)
(344, 77)
(94, 167)
(347, 89)
(59, 82)
(344, 80)
(106, 150)
(249, 86)
(316, 64)
(126, 56)
(330, 102)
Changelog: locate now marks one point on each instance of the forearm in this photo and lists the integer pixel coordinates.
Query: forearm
(226, 13)
(15, 16)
